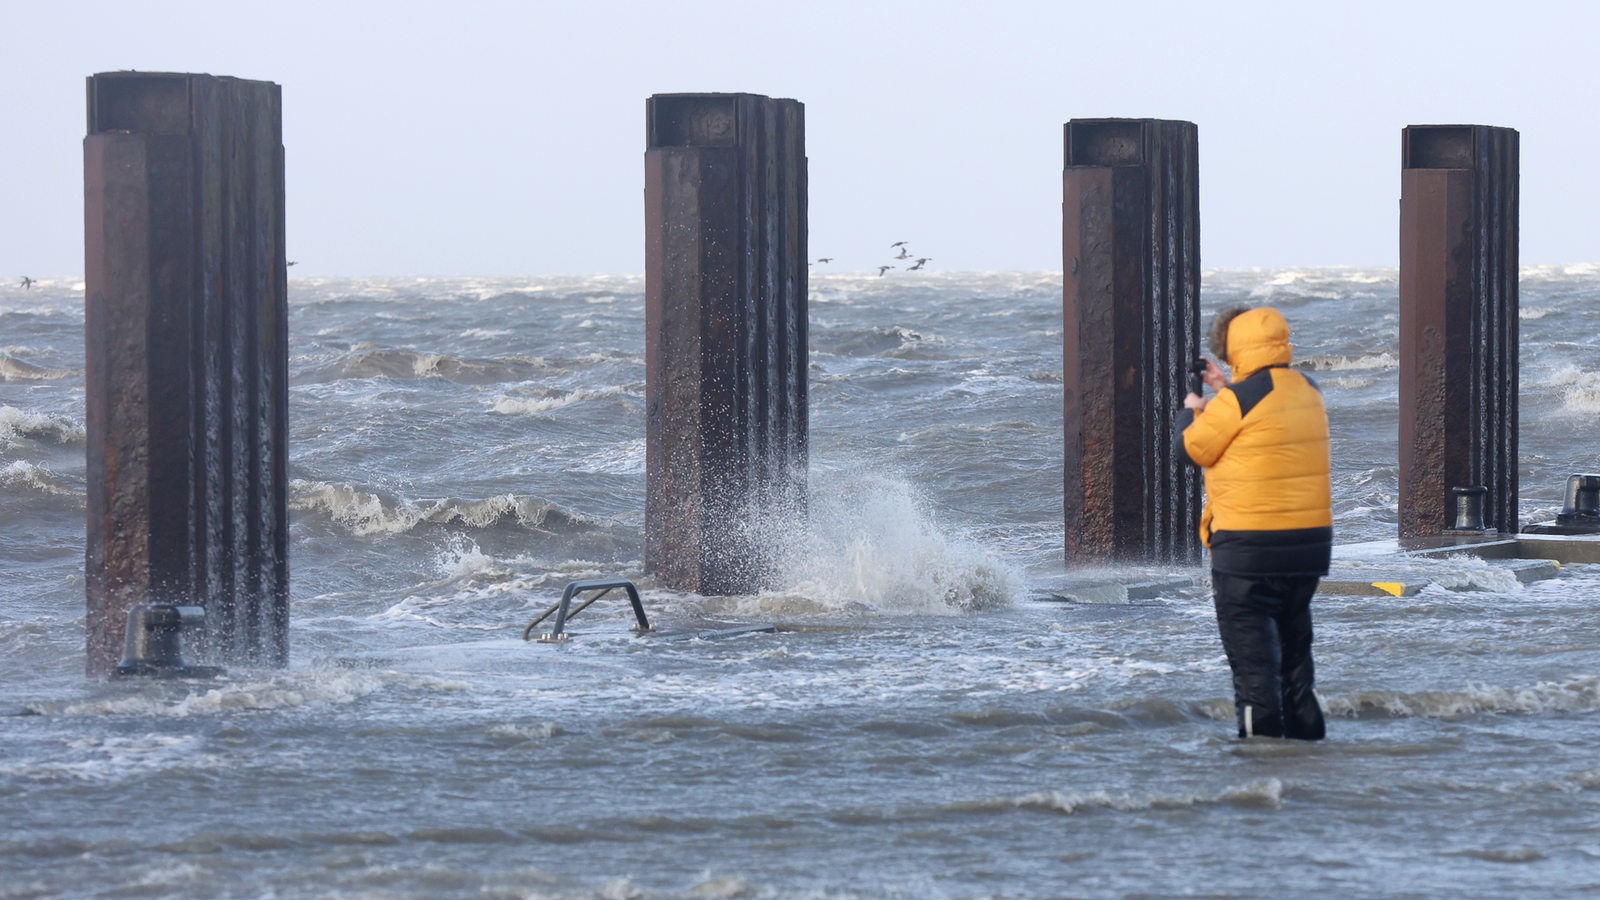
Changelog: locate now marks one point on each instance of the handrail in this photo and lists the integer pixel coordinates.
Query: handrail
(604, 586)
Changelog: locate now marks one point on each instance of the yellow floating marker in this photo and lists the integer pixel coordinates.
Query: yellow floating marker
(1393, 588)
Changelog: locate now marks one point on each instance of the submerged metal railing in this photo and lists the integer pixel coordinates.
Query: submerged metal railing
(564, 612)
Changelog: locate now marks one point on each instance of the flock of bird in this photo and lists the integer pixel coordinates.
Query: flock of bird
(917, 262)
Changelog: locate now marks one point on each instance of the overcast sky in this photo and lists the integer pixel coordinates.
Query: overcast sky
(507, 138)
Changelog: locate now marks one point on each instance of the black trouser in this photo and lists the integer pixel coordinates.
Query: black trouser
(1266, 630)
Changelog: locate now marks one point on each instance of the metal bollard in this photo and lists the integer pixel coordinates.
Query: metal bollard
(1469, 508)
(1582, 504)
(151, 645)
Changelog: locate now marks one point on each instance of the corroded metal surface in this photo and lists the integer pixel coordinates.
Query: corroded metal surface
(725, 355)
(1131, 303)
(187, 360)
(1458, 324)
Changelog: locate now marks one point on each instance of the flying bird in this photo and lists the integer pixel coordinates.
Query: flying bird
(824, 259)
(921, 261)
(898, 244)
(883, 269)
(27, 283)
(904, 254)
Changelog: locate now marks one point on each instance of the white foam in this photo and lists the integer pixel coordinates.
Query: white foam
(1384, 360)
(869, 540)
(13, 369)
(15, 423)
(365, 513)
(1576, 695)
(29, 475)
(1266, 792)
(1579, 389)
(626, 458)
(528, 406)
(289, 690)
(112, 758)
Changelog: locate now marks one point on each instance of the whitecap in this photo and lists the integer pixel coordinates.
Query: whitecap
(1266, 792)
(13, 369)
(23, 474)
(15, 423)
(1576, 695)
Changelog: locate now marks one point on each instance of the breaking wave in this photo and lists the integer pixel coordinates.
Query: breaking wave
(1576, 695)
(870, 542)
(14, 424)
(1384, 360)
(23, 474)
(1579, 389)
(365, 513)
(1266, 793)
(13, 369)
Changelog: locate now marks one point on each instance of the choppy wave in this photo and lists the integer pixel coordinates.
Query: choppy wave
(367, 513)
(1561, 271)
(625, 458)
(1579, 389)
(34, 477)
(1382, 360)
(404, 363)
(881, 700)
(1329, 283)
(1576, 695)
(13, 369)
(892, 341)
(297, 689)
(15, 423)
(551, 399)
(1267, 793)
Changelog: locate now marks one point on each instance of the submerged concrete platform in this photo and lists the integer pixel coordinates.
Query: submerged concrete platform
(1103, 587)
(1385, 568)
(707, 631)
(1403, 567)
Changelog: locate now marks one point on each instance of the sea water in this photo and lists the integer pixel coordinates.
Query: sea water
(926, 722)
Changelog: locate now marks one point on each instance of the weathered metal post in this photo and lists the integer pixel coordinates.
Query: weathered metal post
(187, 360)
(1130, 238)
(725, 316)
(1458, 324)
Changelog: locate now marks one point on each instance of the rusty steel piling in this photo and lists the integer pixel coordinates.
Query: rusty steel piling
(725, 321)
(186, 361)
(1458, 324)
(1131, 299)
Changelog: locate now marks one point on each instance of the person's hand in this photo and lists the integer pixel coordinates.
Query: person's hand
(1213, 376)
(1194, 401)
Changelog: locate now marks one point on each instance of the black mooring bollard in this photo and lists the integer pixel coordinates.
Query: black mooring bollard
(1458, 323)
(725, 344)
(186, 360)
(153, 646)
(1581, 508)
(1468, 508)
(1131, 310)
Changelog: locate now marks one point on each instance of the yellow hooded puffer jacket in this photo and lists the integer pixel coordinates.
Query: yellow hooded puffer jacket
(1263, 441)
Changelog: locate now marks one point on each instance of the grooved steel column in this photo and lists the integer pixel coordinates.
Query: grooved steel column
(725, 320)
(1130, 239)
(1458, 324)
(187, 360)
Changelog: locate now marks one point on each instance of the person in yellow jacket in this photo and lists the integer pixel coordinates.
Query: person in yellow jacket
(1268, 518)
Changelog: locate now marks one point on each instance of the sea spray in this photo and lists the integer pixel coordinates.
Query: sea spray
(869, 539)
